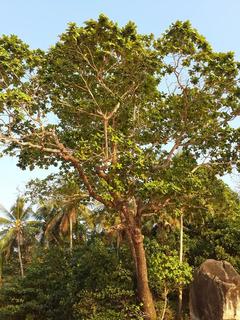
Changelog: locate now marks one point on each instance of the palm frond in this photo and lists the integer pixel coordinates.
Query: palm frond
(3, 232)
(3, 209)
(34, 223)
(4, 221)
(53, 222)
(7, 240)
(27, 213)
(17, 209)
(6, 212)
(43, 211)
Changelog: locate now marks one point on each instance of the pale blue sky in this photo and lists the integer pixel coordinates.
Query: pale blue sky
(40, 22)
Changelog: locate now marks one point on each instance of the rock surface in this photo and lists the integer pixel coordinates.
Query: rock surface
(215, 292)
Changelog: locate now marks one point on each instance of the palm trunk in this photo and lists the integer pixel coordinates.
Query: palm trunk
(180, 260)
(1, 269)
(20, 255)
(71, 232)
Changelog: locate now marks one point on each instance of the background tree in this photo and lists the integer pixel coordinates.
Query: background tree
(90, 283)
(63, 209)
(15, 227)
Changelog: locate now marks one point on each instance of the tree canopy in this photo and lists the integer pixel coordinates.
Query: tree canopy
(125, 112)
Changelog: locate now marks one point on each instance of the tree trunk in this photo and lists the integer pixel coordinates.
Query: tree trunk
(106, 137)
(20, 255)
(1, 270)
(165, 302)
(144, 292)
(133, 252)
(131, 217)
(71, 232)
(180, 260)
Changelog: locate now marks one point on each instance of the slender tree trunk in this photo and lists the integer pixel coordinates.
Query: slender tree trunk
(180, 292)
(144, 292)
(1, 270)
(114, 145)
(71, 232)
(106, 137)
(181, 240)
(165, 302)
(20, 255)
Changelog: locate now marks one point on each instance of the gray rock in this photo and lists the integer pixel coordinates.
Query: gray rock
(215, 292)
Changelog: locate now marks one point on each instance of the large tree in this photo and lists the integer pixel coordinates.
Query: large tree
(116, 106)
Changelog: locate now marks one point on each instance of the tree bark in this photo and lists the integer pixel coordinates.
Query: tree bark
(106, 137)
(20, 255)
(71, 232)
(1, 270)
(133, 252)
(144, 292)
(180, 291)
(131, 217)
(165, 302)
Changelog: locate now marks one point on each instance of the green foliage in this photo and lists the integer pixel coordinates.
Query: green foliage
(18, 230)
(106, 284)
(165, 269)
(42, 293)
(217, 238)
(122, 79)
(89, 284)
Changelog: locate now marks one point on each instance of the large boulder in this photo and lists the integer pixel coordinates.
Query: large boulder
(215, 292)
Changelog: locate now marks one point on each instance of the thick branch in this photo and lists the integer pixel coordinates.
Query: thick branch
(9, 139)
(67, 156)
(172, 151)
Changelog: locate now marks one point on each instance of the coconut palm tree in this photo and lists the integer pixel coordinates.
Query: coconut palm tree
(59, 218)
(15, 225)
(49, 216)
(62, 205)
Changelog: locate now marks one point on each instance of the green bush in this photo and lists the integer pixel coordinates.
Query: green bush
(91, 283)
